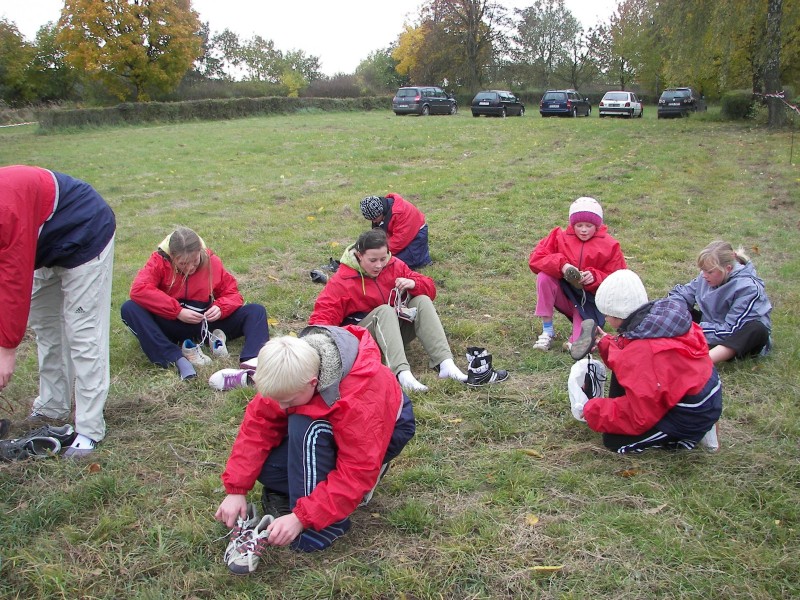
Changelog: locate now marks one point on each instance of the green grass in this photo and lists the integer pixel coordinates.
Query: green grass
(456, 517)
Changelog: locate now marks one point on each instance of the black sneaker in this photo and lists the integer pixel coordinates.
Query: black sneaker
(274, 503)
(64, 434)
(29, 447)
(573, 277)
(585, 342)
(480, 372)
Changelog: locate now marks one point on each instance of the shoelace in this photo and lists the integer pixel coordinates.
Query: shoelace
(232, 380)
(205, 334)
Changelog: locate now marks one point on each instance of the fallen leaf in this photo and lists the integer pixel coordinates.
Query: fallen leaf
(532, 452)
(273, 278)
(548, 568)
(656, 510)
(94, 468)
(272, 321)
(311, 218)
(335, 244)
(629, 472)
(455, 421)
(531, 520)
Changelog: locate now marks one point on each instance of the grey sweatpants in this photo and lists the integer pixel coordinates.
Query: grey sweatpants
(393, 334)
(70, 314)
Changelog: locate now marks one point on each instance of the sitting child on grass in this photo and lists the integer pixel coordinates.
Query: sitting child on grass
(570, 264)
(326, 421)
(665, 391)
(734, 309)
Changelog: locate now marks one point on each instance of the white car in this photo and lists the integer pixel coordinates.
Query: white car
(620, 104)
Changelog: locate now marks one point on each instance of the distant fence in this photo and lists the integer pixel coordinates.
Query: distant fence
(131, 113)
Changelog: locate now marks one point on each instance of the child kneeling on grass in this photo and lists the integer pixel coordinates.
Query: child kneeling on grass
(326, 421)
(665, 391)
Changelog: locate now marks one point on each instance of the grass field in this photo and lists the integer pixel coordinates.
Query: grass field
(497, 482)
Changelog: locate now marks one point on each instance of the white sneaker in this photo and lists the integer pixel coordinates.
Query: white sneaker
(242, 558)
(230, 379)
(710, 440)
(217, 341)
(242, 531)
(544, 342)
(194, 354)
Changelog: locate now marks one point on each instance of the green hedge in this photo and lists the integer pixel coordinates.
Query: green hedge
(737, 105)
(171, 112)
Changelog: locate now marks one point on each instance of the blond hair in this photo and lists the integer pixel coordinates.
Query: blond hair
(184, 242)
(720, 255)
(285, 365)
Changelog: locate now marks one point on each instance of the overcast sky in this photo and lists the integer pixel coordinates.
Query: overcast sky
(340, 32)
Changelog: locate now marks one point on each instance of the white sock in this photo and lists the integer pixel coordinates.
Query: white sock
(409, 382)
(82, 442)
(447, 368)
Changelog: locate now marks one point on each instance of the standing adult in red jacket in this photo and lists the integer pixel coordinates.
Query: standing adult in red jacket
(326, 421)
(570, 264)
(184, 295)
(404, 225)
(363, 291)
(56, 264)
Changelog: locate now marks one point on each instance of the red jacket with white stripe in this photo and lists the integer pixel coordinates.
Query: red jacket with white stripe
(363, 420)
(160, 290)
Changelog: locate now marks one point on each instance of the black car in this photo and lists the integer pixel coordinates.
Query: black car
(423, 101)
(564, 103)
(498, 103)
(679, 102)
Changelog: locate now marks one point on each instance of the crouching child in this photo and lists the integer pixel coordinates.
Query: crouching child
(665, 391)
(327, 419)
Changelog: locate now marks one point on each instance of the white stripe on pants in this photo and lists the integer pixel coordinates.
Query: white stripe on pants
(70, 314)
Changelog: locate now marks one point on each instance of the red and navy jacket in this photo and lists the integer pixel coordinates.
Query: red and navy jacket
(401, 223)
(362, 418)
(47, 219)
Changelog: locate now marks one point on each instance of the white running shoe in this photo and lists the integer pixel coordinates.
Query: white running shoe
(217, 341)
(194, 354)
(230, 379)
(544, 342)
(243, 557)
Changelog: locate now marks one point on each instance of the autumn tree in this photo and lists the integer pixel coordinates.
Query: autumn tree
(546, 40)
(16, 56)
(137, 48)
(625, 40)
(378, 72)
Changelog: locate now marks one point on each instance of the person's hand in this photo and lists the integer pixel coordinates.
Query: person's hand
(213, 313)
(587, 278)
(600, 333)
(190, 316)
(231, 508)
(403, 284)
(8, 362)
(284, 530)
(566, 267)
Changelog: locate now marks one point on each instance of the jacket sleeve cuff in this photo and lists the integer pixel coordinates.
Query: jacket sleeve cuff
(236, 490)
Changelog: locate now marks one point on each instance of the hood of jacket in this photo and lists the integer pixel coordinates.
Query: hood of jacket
(337, 349)
(663, 318)
(349, 259)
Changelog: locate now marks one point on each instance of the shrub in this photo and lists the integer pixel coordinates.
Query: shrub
(737, 105)
(132, 113)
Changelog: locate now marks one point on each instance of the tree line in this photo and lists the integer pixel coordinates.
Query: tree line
(138, 50)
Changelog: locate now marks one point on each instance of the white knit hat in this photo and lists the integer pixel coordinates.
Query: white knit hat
(620, 294)
(586, 210)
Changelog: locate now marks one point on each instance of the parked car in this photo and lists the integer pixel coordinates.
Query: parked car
(565, 103)
(679, 102)
(620, 104)
(498, 103)
(423, 101)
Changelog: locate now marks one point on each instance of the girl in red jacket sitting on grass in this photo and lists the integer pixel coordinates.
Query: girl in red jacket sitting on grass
(184, 295)
(360, 292)
(570, 264)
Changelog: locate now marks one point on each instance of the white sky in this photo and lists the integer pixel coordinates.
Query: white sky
(340, 32)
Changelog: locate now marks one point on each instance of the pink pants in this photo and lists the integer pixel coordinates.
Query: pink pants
(549, 298)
